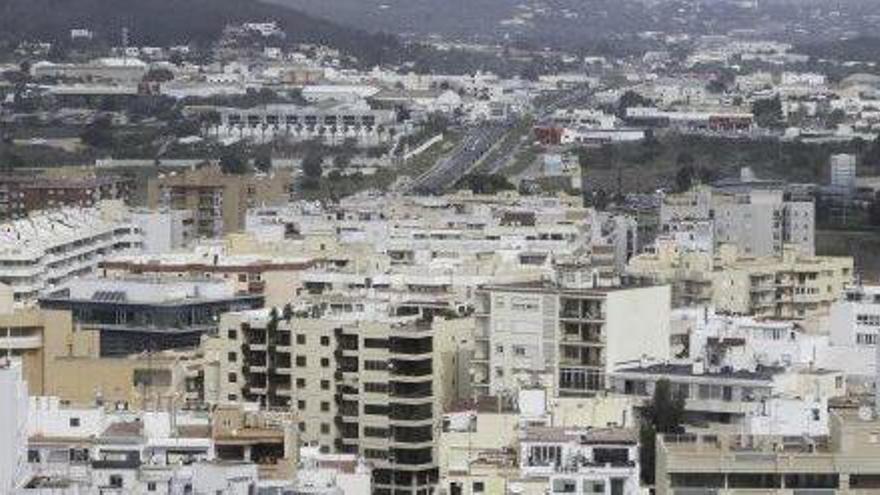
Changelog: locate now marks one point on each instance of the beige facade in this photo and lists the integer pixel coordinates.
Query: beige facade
(370, 386)
(36, 337)
(846, 462)
(793, 285)
(219, 201)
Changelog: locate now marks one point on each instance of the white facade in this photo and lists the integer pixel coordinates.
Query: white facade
(13, 427)
(592, 461)
(843, 172)
(164, 231)
(46, 251)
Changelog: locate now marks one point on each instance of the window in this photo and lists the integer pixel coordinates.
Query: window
(325, 384)
(325, 362)
(376, 409)
(300, 383)
(151, 486)
(232, 377)
(301, 361)
(33, 455)
(302, 426)
(371, 431)
(376, 388)
(116, 481)
(300, 339)
(232, 397)
(232, 357)
(74, 422)
(375, 343)
(372, 365)
(301, 405)
(231, 334)
(374, 454)
(478, 487)
(325, 341)
(325, 428)
(519, 350)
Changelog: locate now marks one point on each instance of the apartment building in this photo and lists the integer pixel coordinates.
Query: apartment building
(789, 401)
(566, 334)
(845, 462)
(530, 446)
(758, 219)
(23, 336)
(791, 286)
(273, 277)
(13, 426)
(217, 201)
(20, 195)
(112, 450)
(47, 250)
(581, 461)
(359, 385)
(130, 316)
(331, 122)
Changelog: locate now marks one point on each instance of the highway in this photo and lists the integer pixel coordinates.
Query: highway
(477, 142)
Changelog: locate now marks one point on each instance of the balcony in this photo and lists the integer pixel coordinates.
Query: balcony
(22, 342)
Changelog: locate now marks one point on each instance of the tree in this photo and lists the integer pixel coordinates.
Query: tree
(631, 99)
(99, 133)
(313, 168)
(159, 75)
(232, 161)
(486, 183)
(263, 160)
(871, 157)
(684, 178)
(663, 414)
(768, 113)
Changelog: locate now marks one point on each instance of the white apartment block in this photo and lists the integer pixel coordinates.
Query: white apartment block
(566, 335)
(601, 461)
(332, 123)
(758, 221)
(762, 399)
(14, 470)
(45, 251)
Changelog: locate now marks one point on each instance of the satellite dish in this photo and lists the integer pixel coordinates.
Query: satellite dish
(866, 413)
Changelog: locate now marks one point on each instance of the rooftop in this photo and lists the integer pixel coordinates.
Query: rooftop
(762, 373)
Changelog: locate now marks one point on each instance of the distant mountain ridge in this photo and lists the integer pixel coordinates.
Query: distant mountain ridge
(167, 22)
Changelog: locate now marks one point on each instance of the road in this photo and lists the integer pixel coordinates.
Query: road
(477, 142)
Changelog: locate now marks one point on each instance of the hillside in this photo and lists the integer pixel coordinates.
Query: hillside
(167, 22)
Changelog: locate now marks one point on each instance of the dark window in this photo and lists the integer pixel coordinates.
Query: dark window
(325, 384)
(301, 361)
(325, 341)
(231, 334)
(74, 422)
(325, 406)
(325, 428)
(231, 357)
(301, 339)
(233, 378)
(325, 362)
